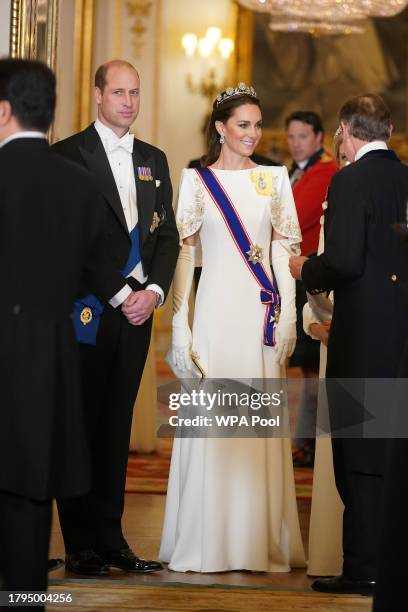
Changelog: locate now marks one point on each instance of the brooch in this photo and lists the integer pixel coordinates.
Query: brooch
(255, 254)
(264, 182)
(155, 222)
(144, 173)
(86, 315)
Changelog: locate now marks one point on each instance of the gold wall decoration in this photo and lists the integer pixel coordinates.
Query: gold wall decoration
(140, 11)
(33, 30)
(83, 45)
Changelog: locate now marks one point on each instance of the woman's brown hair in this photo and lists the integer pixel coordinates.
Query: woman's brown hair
(222, 111)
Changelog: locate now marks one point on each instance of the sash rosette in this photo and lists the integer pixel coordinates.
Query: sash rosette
(87, 330)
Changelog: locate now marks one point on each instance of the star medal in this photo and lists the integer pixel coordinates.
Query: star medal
(86, 315)
(155, 222)
(255, 254)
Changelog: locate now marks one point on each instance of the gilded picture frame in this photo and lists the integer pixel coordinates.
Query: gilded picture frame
(33, 30)
(248, 64)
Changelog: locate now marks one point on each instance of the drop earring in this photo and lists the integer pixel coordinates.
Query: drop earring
(222, 139)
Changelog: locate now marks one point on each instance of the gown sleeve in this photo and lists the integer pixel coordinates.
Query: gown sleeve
(190, 205)
(283, 211)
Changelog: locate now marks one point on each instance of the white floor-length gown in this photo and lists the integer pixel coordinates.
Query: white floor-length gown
(231, 502)
(326, 515)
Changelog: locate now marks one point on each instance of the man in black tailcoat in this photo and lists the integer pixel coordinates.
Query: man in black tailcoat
(142, 241)
(51, 244)
(367, 267)
(390, 588)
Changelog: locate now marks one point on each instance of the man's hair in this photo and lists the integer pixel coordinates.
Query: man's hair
(29, 87)
(367, 117)
(309, 117)
(102, 71)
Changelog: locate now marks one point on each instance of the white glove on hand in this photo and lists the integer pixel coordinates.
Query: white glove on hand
(286, 328)
(183, 278)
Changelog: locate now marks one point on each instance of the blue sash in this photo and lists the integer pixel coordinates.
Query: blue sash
(88, 309)
(269, 294)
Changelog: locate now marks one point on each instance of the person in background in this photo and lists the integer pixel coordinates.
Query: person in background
(325, 526)
(52, 244)
(363, 259)
(310, 175)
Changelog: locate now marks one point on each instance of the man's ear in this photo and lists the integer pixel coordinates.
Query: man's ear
(391, 130)
(345, 129)
(98, 95)
(5, 112)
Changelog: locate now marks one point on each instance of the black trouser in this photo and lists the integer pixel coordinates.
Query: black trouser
(361, 493)
(111, 373)
(24, 540)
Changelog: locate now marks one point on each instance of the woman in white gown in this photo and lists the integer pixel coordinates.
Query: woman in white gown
(325, 527)
(231, 502)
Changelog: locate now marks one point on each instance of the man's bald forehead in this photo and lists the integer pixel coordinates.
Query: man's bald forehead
(101, 75)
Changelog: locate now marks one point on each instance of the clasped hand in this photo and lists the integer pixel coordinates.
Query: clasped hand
(139, 305)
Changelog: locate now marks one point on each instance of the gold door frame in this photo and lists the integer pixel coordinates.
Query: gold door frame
(33, 30)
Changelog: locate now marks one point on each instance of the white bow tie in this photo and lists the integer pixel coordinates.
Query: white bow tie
(126, 142)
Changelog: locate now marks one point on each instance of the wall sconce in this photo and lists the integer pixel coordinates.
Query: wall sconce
(212, 52)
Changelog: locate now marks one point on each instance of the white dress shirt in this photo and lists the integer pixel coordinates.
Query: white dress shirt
(119, 154)
(375, 145)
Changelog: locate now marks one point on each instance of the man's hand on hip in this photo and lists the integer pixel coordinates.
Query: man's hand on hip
(138, 307)
(296, 264)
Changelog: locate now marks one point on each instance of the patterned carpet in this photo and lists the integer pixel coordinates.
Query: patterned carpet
(148, 473)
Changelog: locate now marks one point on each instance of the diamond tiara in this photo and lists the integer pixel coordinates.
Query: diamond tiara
(241, 90)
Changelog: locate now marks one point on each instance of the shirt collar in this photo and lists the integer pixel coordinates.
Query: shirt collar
(26, 134)
(375, 145)
(106, 134)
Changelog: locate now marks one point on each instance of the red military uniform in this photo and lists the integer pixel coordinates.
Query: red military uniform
(309, 193)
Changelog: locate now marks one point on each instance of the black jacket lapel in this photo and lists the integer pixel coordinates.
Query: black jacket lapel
(146, 191)
(96, 160)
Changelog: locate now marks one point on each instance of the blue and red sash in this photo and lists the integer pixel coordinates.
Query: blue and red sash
(269, 294)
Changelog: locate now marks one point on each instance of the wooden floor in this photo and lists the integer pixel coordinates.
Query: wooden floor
(172, 591)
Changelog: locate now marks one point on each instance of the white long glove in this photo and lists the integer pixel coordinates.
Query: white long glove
(286, 327)
(183, 279)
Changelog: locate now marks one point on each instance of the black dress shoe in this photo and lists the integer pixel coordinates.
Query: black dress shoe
(54, 564)
(127, 561)
(86, 562)
(341, 584)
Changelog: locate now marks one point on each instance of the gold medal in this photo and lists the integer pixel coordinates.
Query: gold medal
(86, 315)
(264, 182)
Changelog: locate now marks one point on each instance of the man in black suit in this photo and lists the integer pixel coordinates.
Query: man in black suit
(367, 267)
(390, 587)
(51, 237)
(142, 241)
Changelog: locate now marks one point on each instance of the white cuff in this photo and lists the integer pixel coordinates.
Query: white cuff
(120, 297)
(158, 290)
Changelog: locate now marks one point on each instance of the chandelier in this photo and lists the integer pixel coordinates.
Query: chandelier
(323, 16)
